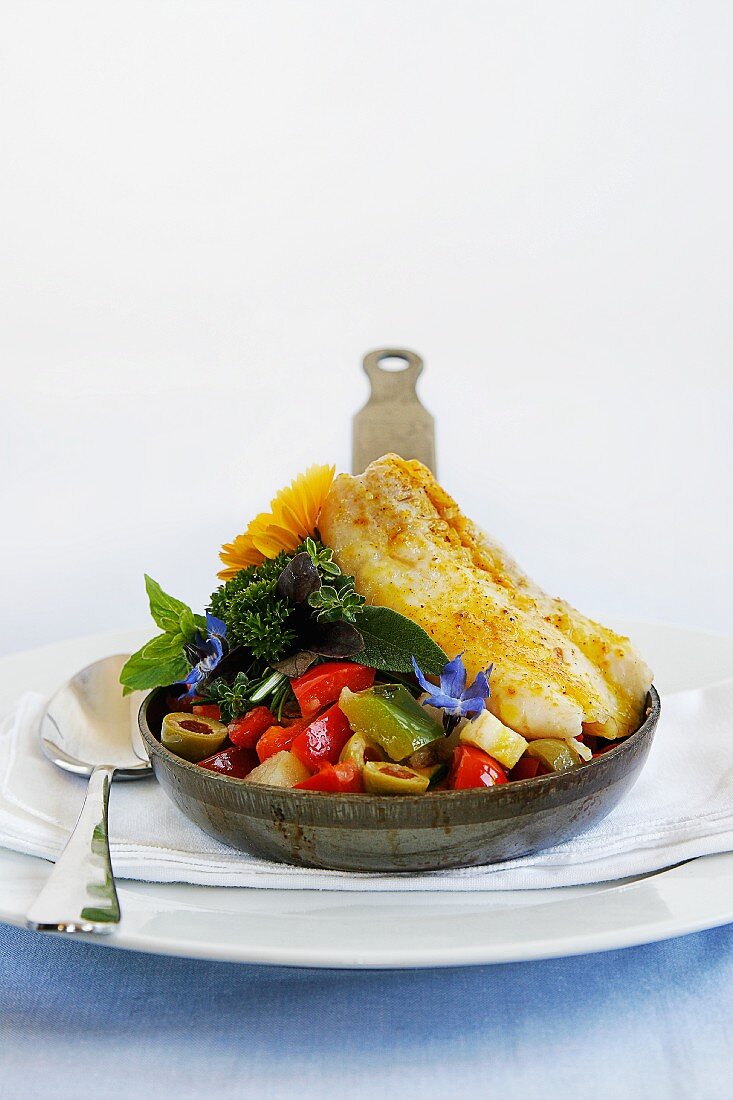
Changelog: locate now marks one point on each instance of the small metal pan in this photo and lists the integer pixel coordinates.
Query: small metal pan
(429, 832)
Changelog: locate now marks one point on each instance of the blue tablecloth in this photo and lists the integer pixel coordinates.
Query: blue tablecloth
(80, 1020)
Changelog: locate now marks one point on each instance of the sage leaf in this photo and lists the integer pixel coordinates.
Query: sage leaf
(391, 641)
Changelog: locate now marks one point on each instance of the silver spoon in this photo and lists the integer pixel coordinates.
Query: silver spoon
(89, 728)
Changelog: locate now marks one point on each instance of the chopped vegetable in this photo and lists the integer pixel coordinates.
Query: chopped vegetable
(426, 757)
(488, 733)
(322, 685)
(234, 762)
(358, 749)
(247, 730)
(208, 710)
(584, 751)
(558, 756)
(281, 770)
(323, 739)
(192, 737)
(342, 778)
(527, 768)
(435, 774)
(277, 738)
(384, 777)
(388, 715)
(474, 768)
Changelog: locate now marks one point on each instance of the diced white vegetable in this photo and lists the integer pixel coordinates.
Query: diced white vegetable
(582, 750)
(281, 770)
(488, 733)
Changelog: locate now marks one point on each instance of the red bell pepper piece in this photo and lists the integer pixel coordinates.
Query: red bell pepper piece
(337, 778)
(174, 704)
(606, 747)
(323, 739)
(207, 710)
(527, 767)
(277, 738)
(473, 768)
(236, 762)
(320, 686)
(247, 730)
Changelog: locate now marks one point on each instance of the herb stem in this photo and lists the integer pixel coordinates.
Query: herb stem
(266, 687)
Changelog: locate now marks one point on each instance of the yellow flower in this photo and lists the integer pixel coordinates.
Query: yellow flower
(293, 516)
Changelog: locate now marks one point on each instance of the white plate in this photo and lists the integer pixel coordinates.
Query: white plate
(322, 928)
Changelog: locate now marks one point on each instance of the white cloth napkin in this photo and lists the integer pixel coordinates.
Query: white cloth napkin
(681, 806)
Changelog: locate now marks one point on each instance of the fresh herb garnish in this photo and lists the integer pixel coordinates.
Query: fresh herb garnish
(391, 641)
(243, 694)
(232, 699)
(255, 615)
(267, 607)
(289, 612)
(303, 603)
(322, 558)
(336, 601)
(162, 660)
(452, 696)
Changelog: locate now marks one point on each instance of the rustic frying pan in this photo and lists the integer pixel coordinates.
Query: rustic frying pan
(356, 832)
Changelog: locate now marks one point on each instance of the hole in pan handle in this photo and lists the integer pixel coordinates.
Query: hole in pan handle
(398, 364)
(393, 418)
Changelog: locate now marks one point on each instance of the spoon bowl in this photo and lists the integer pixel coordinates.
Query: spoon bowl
(89, 723)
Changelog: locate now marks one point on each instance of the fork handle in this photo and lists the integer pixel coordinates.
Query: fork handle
(80, 894)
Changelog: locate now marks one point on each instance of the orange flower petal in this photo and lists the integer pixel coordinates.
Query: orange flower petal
(293, 516)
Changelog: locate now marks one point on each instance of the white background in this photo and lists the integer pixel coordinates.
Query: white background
(210, 211)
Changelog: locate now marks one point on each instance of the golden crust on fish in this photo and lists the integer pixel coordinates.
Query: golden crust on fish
(410, 548)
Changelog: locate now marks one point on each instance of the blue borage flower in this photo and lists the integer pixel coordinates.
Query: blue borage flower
(209, 650)
(452, 696)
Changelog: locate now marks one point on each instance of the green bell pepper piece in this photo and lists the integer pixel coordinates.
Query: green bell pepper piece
(555, 754)
(389, 716)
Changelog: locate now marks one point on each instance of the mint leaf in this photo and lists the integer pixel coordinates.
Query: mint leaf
(391, 640)
(164, 647)
(188, 624)
(166, 610)
(162, 660)
(159, 663)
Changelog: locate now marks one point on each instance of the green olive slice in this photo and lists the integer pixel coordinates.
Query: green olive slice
(384, 777)
(192, 736)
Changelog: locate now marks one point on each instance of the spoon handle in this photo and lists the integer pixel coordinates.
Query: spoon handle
(80, 894)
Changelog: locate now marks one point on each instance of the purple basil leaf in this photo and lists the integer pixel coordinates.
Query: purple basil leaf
(297, 664)
(338, 639)
(298, 579)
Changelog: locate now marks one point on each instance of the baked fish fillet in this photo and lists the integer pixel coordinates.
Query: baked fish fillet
(556, 672)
